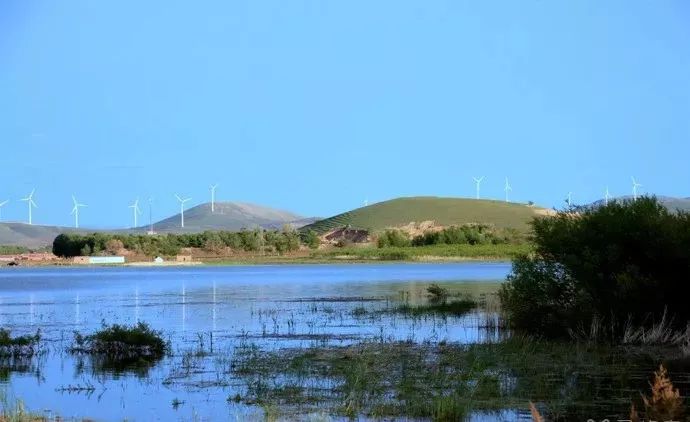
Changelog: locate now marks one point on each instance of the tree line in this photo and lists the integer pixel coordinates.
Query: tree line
(279, 241)
(468, 234)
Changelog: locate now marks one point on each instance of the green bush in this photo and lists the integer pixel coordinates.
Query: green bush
(621, 264)
(392, 238)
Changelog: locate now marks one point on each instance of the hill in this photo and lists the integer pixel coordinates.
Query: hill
(443, 211)
(230, 216)
(30, 236)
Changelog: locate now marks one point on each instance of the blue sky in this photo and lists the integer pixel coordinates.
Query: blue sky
(314, 106)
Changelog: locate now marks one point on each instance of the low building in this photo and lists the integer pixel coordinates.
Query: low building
(158, 260)
(99, 260)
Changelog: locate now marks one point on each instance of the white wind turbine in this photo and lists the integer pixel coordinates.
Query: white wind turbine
(213, 197)
(75, 211)
(607, 196)
(507, 188)
(635, 185)
(366, 202)
(2, 204)
(30, 202)
(478, 182)
(135, 211)
(569, 200)
(182, 201)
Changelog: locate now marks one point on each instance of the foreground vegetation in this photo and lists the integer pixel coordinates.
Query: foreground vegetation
(446, 382)
(607, 272)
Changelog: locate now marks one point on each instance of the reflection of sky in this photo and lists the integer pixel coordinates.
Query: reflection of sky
(271, 306)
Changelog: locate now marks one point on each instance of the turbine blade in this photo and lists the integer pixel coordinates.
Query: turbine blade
(178, 197)
(33, 203)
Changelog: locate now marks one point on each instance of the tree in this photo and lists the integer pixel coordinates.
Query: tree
(623, 263)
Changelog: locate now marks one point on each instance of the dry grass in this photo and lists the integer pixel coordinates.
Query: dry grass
(665, 402)
(536, 416)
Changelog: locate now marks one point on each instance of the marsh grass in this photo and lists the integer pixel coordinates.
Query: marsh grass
(20, 346)
(124, 343)
(14, 410)
(447, 381)
(457, 307)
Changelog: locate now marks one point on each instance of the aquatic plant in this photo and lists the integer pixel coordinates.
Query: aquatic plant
(122, 342)
(21, 346)
(436, 293)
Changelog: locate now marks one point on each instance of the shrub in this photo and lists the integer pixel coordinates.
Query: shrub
(619, 264)
(21, 346)
(122, 342)
(392, 238)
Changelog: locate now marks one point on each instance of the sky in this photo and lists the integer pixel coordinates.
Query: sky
(316, 106)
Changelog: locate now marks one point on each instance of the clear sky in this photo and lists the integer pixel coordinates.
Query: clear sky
(315, 106)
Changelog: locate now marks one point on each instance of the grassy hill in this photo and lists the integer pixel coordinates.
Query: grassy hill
(230, 216)
(444, 211)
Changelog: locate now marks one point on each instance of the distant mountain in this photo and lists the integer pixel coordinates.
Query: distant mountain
(670, 202)
(229, 216)
(443, 211)
(30, 236)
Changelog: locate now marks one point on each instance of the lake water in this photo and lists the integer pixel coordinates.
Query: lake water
(203, 307)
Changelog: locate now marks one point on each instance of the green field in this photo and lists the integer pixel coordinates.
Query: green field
(443, 211)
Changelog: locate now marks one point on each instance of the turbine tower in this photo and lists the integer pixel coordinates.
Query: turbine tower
(569, 200)
(607, 196)
(75, 211)
(366, 202)
(2, 204)
(634, 187)
(182, 201)
(478, 181)
(30, 202)
(507, 188)
(213, 197)
(135, 211)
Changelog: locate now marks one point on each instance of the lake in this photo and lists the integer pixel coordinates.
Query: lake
(206, 313)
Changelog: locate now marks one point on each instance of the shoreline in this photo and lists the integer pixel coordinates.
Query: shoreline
(222, 261)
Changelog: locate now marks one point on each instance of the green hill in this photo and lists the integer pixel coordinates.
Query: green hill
(443, 211)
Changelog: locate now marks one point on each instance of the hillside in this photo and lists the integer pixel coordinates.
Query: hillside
(229, 216)
(35, 236)
(443, 211)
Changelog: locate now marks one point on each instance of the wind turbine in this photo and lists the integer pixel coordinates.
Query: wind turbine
(75, 211)
(135, 211)
(30, 202)
(635, 186)
(607, 196)
(213, 197)
(569, 199)
(182, 201)
(507, 188)
(478, 181)
(366, 202)
(2, 204)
